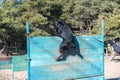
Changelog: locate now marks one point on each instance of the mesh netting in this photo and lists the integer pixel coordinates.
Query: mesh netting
(85, 61)
(5, 64)
(19, 63)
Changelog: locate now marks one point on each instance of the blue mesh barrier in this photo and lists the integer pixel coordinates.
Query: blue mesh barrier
(86, 62)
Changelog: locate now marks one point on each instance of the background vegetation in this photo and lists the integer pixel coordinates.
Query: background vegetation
(42, 14)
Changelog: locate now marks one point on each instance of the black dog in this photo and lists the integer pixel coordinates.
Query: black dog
(64, 31)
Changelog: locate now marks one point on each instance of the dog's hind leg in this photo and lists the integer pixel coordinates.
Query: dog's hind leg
(58, 58)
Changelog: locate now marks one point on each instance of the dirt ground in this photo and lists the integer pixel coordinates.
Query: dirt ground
(7, 75)
(112, 71)
(112, 68)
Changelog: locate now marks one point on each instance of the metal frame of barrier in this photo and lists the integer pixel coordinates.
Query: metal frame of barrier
(99, 39)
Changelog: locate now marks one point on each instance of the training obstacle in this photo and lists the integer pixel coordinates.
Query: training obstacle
(86, 62)
(19, 63)
(44, 50)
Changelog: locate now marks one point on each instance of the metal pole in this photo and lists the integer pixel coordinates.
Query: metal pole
(103, 25)
(28, 48)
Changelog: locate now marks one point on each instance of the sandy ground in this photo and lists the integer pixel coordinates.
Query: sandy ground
(112, 71)
(7, 75)
(112, 68)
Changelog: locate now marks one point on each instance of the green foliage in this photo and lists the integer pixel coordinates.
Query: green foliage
(42, 14)
(112, 29)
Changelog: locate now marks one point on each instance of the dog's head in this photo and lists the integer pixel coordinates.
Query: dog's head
(59, 24)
